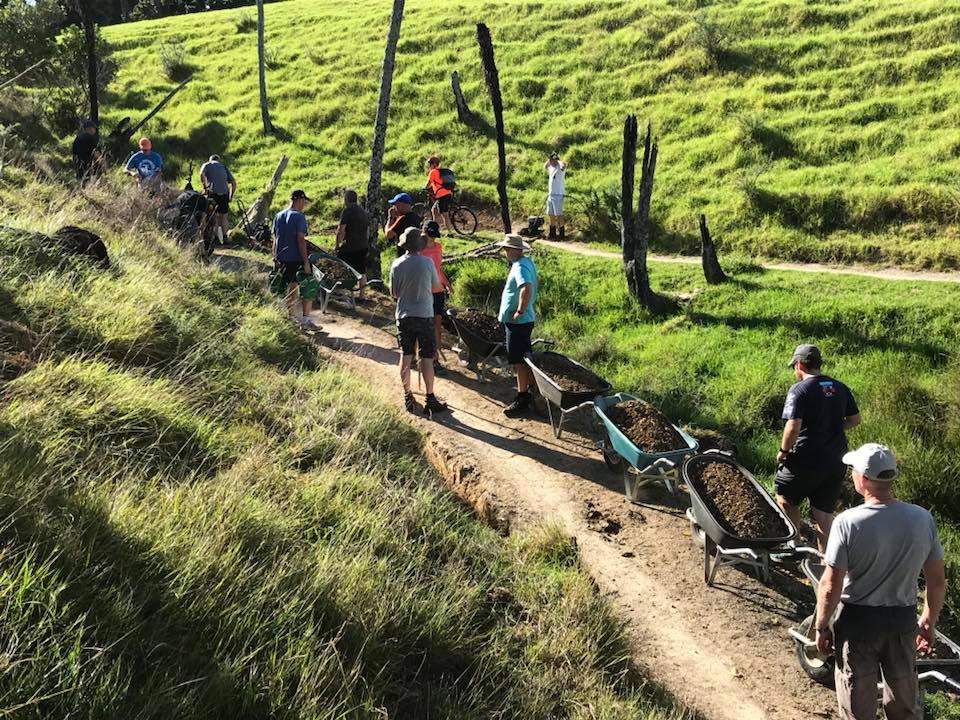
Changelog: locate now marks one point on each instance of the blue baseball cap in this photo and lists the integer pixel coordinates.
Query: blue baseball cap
(401, 197)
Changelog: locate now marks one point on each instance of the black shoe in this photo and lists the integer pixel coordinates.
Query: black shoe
(432, 405)
(409, 403)
(563, 232)
(553, 233)
(519, 406)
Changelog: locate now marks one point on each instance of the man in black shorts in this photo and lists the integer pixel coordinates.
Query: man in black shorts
(220, 186)
(411, 282)
(818, 410)
(352, 242)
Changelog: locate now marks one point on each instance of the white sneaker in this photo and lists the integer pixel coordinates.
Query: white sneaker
(308, 323)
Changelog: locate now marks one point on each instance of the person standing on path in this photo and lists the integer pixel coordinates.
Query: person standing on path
(434, 251)
(86, 152)
(400, 216)
(290, 253)
(556, 174)
(146, 166)
(412, 278)
(873, 561)
(352, 245)
(516, 314)
(818, 412)
(218, 183)
(440, 193)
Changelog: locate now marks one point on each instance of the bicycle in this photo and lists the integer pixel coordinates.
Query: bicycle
(462, 217)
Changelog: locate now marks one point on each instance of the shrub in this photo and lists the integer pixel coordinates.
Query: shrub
(173, 60)
(601, 211)
(245, 23)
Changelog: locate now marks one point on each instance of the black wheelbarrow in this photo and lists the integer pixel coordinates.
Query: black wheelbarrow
(566, 402)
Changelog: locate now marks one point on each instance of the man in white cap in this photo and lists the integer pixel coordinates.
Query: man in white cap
(516, 314)
(818, 411)
(873, 561)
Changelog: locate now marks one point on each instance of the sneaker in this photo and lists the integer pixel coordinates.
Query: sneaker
(519, 406)
(432, 405)
(409, 403)
(308, 323)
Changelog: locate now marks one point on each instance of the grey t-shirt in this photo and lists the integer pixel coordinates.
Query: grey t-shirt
(218, 177)
(883, 549)
(412, 278)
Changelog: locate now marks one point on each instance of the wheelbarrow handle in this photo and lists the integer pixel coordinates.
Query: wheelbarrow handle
(718, 451)
(951, 684)
(542, 341)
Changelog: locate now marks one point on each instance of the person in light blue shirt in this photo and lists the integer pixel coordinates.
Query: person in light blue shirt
(517, 315)
(146, 166)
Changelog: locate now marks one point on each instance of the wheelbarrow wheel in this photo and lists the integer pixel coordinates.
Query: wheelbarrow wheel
(816, 668)
(697, 534)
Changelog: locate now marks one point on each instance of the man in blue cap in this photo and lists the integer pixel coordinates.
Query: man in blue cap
(400, 216)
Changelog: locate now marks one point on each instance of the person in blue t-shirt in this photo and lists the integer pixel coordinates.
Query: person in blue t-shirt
(146, 166)
(516, 314)
(290, 252)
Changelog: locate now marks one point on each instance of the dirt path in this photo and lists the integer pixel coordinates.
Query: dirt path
(724, 650)
(882, 273)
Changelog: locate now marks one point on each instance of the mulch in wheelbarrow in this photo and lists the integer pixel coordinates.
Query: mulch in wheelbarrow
(645, 426)
(732, 498)
(569, 376)
(336, 271)
(484, 326)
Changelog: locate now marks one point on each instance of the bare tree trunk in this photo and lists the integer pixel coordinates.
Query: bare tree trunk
(124, 10)
(641, 277)
(264, 110)
(374, 203)
(493, 88)
(463, 111)
(708, 255)
(259, 211)
(85, 11)
(628, 225)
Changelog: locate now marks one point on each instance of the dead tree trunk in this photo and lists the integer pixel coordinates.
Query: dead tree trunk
(463, 111)
(261, 69)
(374, 203)
(708, 255)
(258, 213)
(85, 11)
(493, 88)
(635, 226)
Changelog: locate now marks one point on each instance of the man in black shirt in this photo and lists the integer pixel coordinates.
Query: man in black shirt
(86, 152)
(818, 410)
(352, 240)
(400, 216)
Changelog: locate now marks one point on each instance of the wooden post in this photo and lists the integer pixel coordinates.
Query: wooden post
(374, 203)
(708, 256)
(264, 110)
(493, 88)
(463, 111)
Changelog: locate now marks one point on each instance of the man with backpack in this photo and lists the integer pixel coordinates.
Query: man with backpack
(440, 185)
(219, 185)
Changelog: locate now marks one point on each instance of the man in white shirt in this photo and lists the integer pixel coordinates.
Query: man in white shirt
(556, 171)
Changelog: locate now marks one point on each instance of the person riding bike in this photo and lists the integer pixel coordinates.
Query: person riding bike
(439, 187)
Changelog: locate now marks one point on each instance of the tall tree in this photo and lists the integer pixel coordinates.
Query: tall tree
(374, 203)
(85, 11)
(264, 110)
(493, 88)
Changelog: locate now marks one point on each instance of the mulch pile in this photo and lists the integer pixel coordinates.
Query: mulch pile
(735, 501)
(336, 271)
(567, 374)
(645, 426)
(482, 325)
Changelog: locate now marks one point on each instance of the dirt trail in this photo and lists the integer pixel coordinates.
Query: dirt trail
(724, 650)
(862, 271)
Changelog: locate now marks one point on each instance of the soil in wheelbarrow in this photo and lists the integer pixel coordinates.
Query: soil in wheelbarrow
(645, 426)
(484, 326)
(336, 271)
(733, 499)
(567, 374)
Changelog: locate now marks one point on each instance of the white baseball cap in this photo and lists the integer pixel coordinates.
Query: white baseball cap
(873, 460)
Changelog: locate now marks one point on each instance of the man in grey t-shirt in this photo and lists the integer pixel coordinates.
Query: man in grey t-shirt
(874, 557)
(412, 278)
(218, 182)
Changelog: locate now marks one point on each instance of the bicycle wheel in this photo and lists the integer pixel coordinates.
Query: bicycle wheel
(464, 220)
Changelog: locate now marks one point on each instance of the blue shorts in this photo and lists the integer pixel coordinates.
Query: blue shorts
(518, 341)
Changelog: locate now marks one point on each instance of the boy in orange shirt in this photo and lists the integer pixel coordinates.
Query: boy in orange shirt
(434, 251)
(443, 197)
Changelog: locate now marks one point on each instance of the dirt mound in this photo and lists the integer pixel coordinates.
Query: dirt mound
(484, 326)
(645, 426)
(18, 345)
(567, 374)
(336, 271)
(733, 499)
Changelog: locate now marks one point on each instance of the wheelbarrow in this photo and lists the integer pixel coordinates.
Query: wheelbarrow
(566, 402)
(639, 468)
(721, 545)
(334, 288)
(480, 353)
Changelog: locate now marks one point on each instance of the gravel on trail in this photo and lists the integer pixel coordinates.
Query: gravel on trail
(645, 426)
(567, 374)
(484, 326)
(733, 499)
(336, 271)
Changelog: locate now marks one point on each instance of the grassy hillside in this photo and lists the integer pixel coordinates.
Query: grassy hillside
(804, 130)
(200, 518)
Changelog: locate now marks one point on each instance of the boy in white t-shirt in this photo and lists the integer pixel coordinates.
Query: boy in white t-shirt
(556, 171)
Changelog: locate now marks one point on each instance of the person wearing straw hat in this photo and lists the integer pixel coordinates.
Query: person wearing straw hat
(874, 558)
(412, 278)
(517, 315)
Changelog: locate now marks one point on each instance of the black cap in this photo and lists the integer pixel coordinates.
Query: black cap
(431, 228)
(809, 355)
(299, 195)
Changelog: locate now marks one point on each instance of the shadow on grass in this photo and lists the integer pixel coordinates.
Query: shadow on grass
(482, 126)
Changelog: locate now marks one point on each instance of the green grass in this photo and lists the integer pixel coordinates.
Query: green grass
(816, 131)
(201, 518)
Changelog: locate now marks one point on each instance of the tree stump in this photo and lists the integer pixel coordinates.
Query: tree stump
(708, 254)
(463, 110)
